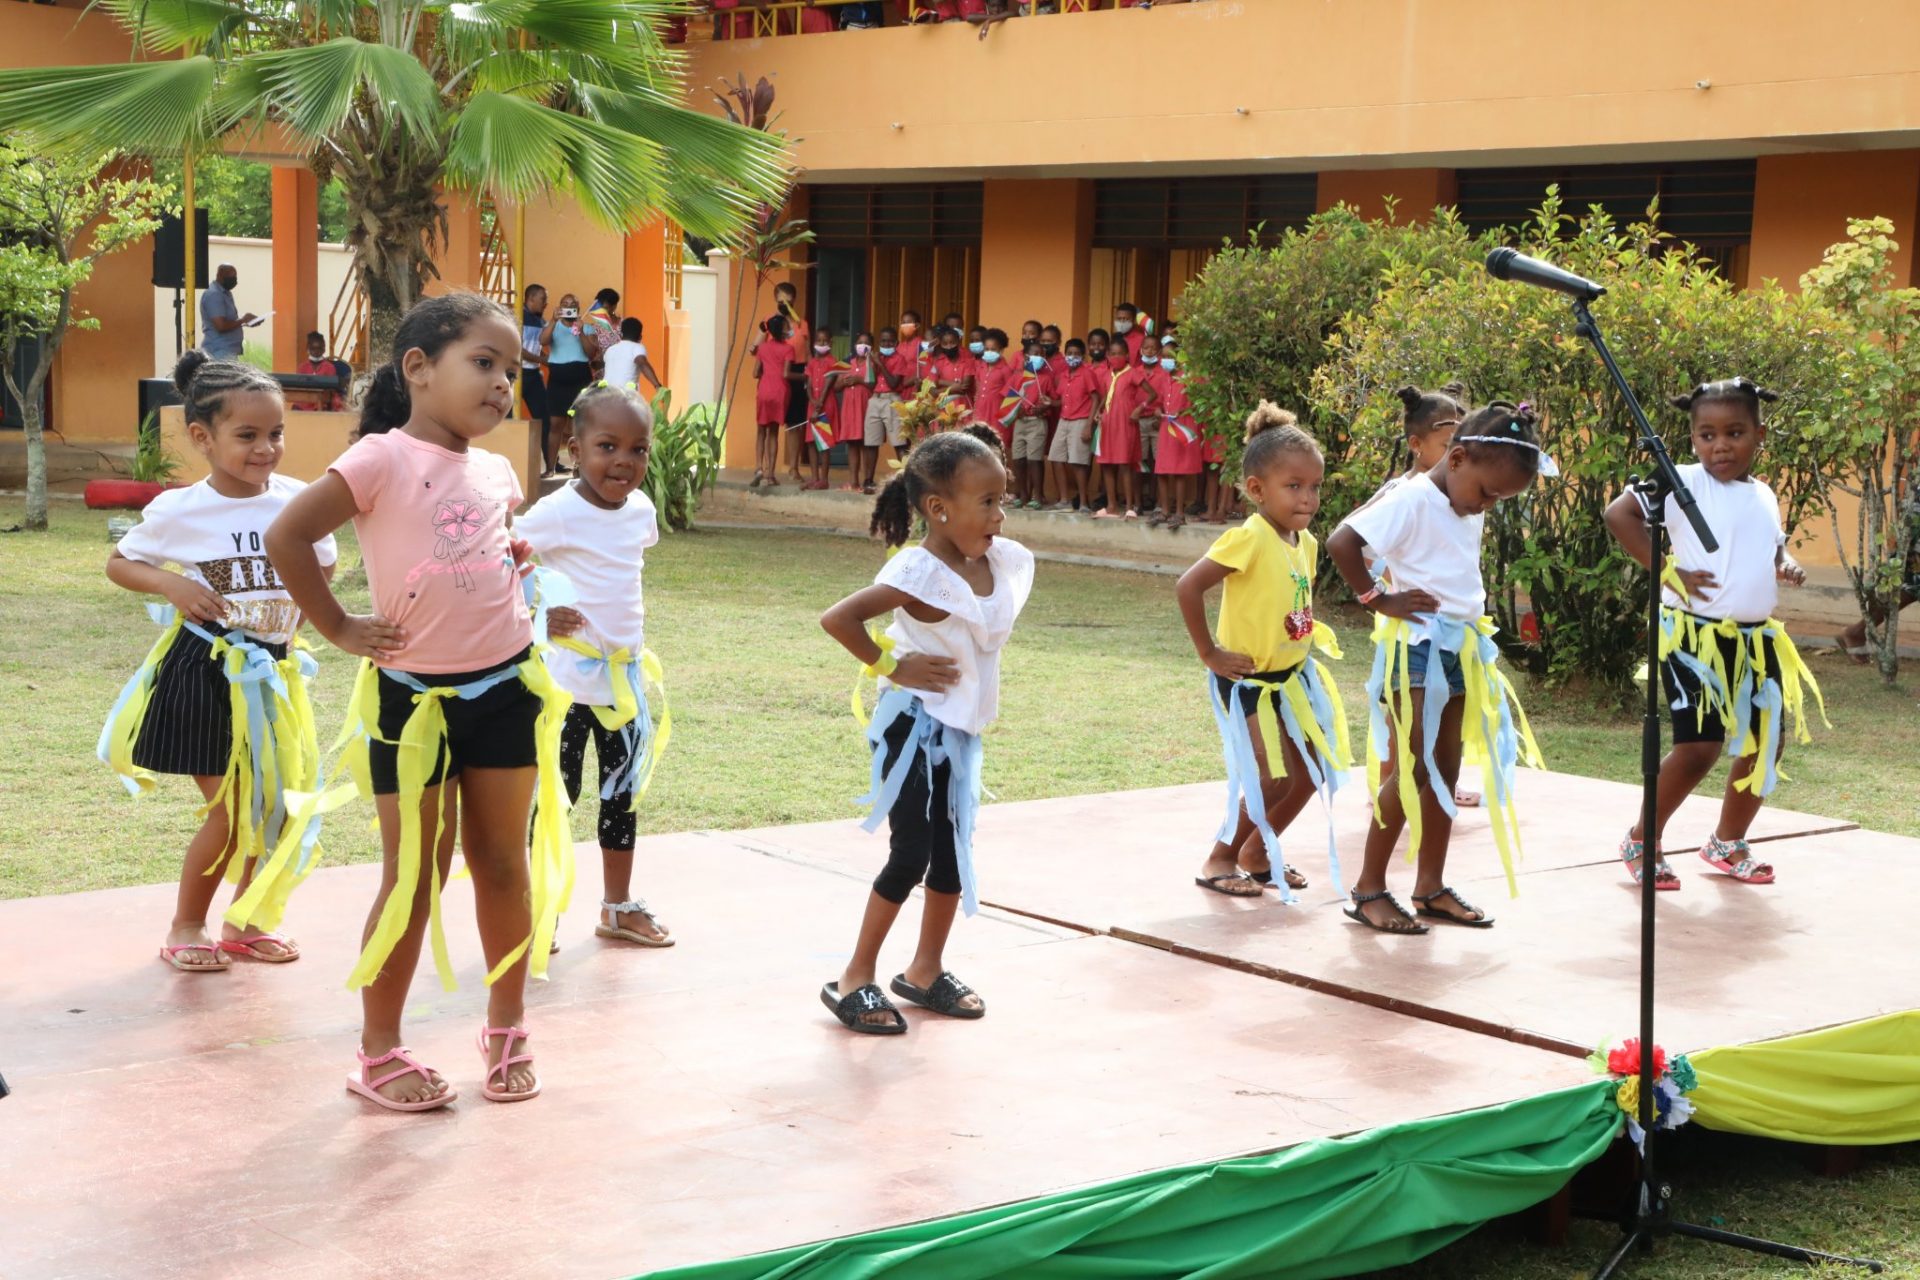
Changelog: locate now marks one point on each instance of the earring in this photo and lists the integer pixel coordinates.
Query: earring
(943, 519)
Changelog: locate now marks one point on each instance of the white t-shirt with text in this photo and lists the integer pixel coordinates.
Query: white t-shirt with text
(220, 542)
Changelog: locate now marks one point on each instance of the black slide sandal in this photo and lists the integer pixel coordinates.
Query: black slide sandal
(1215, 882)
(944, 996)
(868, 999)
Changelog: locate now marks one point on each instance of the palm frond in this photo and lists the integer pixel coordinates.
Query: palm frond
(148, 108)
(312, 88)
(750, 160)
(523, 149)
(621, 37)
(168, 26)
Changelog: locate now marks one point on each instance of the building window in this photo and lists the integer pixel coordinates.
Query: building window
(1707, 203)
(1152, 235)
(918, 248)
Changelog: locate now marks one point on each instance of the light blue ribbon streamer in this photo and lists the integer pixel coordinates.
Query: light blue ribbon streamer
(1740, 702)
(1244, 780)
(162, 615)
(544, 589)
(929, 744)
(1448, 635)
(636, 736)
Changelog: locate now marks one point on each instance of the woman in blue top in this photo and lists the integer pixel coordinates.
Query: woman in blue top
(569, 372)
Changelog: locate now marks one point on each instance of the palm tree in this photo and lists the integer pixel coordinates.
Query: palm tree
(400, 98)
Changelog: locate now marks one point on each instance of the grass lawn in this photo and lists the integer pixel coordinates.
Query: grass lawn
(1101, 692)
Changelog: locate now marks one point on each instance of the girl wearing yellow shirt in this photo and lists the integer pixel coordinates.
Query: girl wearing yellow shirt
(1279, 713)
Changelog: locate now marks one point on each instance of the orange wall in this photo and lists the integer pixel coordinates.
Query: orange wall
(643, 289)
(1446, 83)
(1801, 205)
(296, 263)
(1034, 242)
(1415, 192)
(569, 252)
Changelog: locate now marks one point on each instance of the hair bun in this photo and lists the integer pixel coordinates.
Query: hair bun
(1268, 417)
(1411, 397)
(1457, 389)
(189, 364)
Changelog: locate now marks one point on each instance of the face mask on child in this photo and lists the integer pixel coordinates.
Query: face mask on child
(1049, 348)
(1035, 364)
(1166, 362)
(860, 348)
(887, 351)
(908, 329)
(1073, 362)
(976, 347)
(990, 357)
(820, 350)
(1123, 326)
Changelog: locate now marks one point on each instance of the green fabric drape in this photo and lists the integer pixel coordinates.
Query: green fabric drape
(1335, 1207)
(1851, 1085)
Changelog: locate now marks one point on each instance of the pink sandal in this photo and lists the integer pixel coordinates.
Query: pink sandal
(1633, 852)
(247, 945)
(369, 1089)
(172, 956)
(1731, 857)
(507, 1061)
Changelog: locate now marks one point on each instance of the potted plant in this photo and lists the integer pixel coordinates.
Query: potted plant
(151, 472)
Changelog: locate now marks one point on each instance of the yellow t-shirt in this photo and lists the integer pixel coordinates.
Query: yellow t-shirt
(1266, 609)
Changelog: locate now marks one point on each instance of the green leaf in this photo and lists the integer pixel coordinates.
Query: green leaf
(313, 88)
(149, 108)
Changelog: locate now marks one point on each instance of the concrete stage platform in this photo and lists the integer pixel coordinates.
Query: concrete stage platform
(700, 1103)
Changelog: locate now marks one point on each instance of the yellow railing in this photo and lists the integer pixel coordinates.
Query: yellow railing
(675, 254)
(782, 17)
(496, 261)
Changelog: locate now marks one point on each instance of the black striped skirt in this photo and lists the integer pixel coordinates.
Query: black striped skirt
(188, 726)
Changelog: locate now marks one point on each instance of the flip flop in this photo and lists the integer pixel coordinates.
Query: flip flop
(247, 945)
(369, 1089)
(867, 999)
(1731, 858)
(944, 996)
(172, 956)
(507, 1060)
(1422, 899)
(1266, 880)
(1235, 877)
(1404, 924)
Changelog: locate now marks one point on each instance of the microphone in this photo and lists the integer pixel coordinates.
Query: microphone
(1511, 264)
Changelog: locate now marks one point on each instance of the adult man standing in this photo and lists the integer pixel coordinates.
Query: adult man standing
(222, 326)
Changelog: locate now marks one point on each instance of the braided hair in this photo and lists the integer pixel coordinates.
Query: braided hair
(1272, 433)
(1422, 410)
(205, 384)
(930, 468)
(601, 393)
(1743, 389)
(1505, 429)
(431, 324)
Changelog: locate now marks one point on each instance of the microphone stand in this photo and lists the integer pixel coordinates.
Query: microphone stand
(1652, 1217)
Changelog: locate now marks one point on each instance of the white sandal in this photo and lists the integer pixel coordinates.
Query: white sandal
(614, 910)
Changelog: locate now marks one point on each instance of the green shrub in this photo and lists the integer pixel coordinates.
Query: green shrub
(685, 460)
(1671, 323)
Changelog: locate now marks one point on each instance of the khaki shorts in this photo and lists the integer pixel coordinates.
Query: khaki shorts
(1029, 439)
(1072, 442)
(1149, 443)
(883, 420)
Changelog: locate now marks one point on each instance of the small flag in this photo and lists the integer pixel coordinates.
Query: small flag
(1184, 424)
(820, 432)
(1010, 404)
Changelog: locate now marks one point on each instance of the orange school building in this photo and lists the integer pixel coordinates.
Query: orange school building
(1070, 161)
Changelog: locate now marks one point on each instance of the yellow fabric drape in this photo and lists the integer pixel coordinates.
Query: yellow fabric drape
(626, 704)
(1851, 1085)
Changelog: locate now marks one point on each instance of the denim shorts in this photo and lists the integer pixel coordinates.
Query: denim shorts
(1449, 663)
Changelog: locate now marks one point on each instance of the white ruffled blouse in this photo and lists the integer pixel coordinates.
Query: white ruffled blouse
(973, 632)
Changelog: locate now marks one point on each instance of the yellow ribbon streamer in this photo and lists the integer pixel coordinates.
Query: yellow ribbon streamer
(1700, 639)
(869, 675)
(626, 708)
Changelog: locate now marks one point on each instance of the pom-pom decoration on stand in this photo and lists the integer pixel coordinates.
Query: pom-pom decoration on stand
(1673, 1080)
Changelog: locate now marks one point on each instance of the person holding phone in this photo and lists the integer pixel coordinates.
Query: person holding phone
(569, 372)
(223, 328)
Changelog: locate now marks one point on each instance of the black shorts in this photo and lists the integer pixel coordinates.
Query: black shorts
(1250, 698)
(188, 727)
(492, 731)
(1683, 687)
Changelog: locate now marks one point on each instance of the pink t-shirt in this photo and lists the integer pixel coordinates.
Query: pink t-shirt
(432, 526)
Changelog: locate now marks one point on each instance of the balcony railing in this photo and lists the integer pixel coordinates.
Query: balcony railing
(758, 19)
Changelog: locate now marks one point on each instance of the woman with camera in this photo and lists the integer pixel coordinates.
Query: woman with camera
(569, 372)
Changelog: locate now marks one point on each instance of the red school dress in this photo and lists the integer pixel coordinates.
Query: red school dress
(818, 368)
(990, 385)
(856, 389)
(1119, 443)
(770, 403)
(1179, 451)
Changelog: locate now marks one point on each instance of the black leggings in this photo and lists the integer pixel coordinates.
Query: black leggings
(920, 837)
(617, 820)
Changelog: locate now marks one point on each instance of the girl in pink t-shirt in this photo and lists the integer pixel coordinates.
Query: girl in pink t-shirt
(454, 708)
(775, 355)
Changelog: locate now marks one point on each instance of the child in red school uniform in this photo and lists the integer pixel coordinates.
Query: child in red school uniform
(1028, 456)
(774, 355)
(1070, 452)
(1098, 340)
(949, 367)
(1177, 459)
(855, 387)
(1127, 330)
(1149, 424)
(1130, 397)
(995, 374)
(822, 429)
(913, 342)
